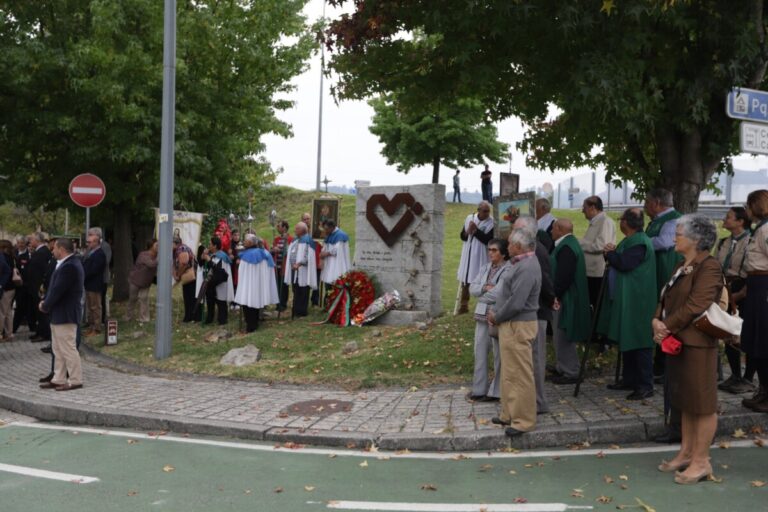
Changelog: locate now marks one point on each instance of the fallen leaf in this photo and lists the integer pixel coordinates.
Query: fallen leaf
(607, 479)
(133, 493)
(600, 455)
(604, 499)
(485, 468)
(364, 464)
(527, 465)
(247, 491)
(309, 488)
(645, 507)
(404, 451)
(756, 429)
(624, 487)
(459, 457)
(512, 472)
(132, 441)
(623, 477)
(739, 434)
(278, 490)
(759, 442)
(713, 478)
(757, 483)
(168, 468)
(520, 499)
(724, 445)
(577, 493)
(615, 447)
(332, 456)
(724, 466)
(482, 421)
(383, 457)
(428, 487)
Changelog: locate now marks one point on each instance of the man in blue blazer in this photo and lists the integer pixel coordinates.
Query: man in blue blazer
(62, 303)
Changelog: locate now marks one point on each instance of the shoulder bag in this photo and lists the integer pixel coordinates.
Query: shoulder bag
(716, 321)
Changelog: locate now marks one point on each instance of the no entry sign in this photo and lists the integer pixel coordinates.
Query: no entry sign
(87, 190)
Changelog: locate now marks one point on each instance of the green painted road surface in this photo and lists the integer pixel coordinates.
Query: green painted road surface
(130, 471)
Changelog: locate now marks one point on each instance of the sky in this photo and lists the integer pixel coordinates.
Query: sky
(350, 152)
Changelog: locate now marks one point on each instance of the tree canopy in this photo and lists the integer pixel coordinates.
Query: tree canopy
(81, 91)
(458, 134)
(638, 85)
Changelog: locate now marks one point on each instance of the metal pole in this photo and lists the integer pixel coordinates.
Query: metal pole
(87, 220)
(320, 114)
(594, 180)
(66, 221)
(165, 220)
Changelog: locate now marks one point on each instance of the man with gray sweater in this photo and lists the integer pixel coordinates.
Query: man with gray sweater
(516, 316)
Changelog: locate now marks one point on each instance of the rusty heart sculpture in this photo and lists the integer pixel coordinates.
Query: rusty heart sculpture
(390, 207)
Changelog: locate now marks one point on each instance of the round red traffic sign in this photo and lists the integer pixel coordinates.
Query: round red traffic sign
(87, 190)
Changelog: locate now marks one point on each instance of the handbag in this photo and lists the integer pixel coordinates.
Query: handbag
(717, 322)
(188, 276)
(16, 278)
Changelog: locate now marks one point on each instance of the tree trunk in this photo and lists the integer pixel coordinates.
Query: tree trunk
(684, 169)
(122, 255)
(436, 170)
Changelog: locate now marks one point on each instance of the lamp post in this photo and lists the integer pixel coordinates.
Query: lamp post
(320, 113)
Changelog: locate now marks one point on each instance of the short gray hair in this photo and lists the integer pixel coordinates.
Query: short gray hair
(95, 231)
(37, 235)
(661, 195)
(250, 237)
(485, 203)
(529, 223)
(23, 239)
(523, 238)
(700, 229)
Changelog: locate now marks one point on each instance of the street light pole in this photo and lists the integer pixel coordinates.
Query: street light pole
(320, 114)
(165, 213)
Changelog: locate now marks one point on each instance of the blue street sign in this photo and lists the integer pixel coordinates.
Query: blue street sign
(747, 104)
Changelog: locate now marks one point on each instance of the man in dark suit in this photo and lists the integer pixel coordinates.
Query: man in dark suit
(36, 268)
(62, 303)
(94, 266)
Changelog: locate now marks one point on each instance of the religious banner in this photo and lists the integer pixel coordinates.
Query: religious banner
(509, 183)
(325, 208)
(186, 225)
(506, 210)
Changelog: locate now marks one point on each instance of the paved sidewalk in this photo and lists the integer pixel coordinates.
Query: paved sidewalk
(392, 419)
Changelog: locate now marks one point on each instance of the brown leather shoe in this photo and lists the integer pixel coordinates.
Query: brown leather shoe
(49, 385)
(68, 387)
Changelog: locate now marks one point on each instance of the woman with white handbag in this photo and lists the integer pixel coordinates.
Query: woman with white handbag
(696, 285)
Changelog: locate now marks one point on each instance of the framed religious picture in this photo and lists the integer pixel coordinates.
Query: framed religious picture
(506, 210)
(323, 209)
(508, 183)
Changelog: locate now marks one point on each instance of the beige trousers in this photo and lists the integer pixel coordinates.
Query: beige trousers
(93, 304)
(6, 312)
(518, 390)
(142, 296)
(63, 337)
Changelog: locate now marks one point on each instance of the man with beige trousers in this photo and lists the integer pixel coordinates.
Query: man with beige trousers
(601, 232)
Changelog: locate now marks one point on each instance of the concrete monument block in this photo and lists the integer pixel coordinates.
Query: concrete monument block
(399, 239)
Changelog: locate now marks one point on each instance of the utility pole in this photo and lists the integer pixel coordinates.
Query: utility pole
(165, 213)
(320, 113)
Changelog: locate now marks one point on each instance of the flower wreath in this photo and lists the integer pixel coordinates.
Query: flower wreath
(351, 294)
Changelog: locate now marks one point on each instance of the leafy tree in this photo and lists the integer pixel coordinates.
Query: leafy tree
(458, 134)
(81, 91)
(639, 85)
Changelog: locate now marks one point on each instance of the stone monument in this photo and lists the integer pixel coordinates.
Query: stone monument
(399, 240)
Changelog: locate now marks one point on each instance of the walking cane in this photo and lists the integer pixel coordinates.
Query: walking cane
(456, 304)
(592, 327)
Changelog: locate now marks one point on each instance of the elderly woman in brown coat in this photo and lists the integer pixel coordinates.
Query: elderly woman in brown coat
(692, 375)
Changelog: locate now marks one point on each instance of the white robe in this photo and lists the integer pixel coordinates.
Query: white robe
(256, 286)
(474, 254)
(307, 272)
(336, 263)
(224, 291)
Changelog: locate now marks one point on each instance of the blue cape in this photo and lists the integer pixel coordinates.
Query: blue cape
(306, 239)
(336, 237)
(223, 257)
(255, 256)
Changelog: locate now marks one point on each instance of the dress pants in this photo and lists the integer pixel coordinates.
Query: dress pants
(483, 344)
(6, 312)
(282, 290)
(251, 318)
(567, 358)
(540, 366)
(78, 339)
(300, 300)
(221, 305)
(93, 302)
(67, 358)
(43, 325)
(24, 310)
(140, 295)
(188, 292)
(518, 390)
(638, 369)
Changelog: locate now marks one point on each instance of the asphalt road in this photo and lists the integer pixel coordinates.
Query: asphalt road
(46, 467)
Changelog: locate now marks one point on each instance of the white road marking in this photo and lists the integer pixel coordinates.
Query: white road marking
(50, 475)
(374, 454)
(453, 507)
(88, 190)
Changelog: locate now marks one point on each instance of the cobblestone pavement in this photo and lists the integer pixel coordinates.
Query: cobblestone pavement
(426, 419)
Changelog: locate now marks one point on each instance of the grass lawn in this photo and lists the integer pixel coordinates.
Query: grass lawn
(298, 352)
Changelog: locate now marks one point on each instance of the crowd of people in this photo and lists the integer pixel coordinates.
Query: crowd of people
(640, 295)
